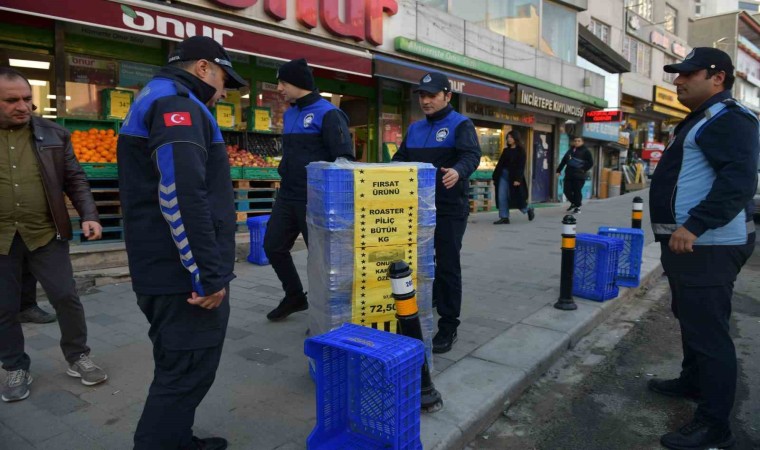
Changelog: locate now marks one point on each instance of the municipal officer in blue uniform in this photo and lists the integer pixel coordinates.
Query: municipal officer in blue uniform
(179, 224)
(447, 140)
(701, 210)
(314, 130)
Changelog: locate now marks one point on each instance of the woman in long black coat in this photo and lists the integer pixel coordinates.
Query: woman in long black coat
(509, 177)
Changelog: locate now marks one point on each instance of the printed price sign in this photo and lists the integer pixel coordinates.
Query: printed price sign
(120, 102)
(225, 115)
(262, 119)
(385, 230)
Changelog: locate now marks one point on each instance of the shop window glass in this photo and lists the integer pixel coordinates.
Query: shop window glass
(600, 30)
(669, 77)
(749, 6)
(559, 31)
(267, 96)
(515, 19)
(443, 5)
(39, 70)
(86, 77)
(644, 8)
(671, 17)
(490, 142)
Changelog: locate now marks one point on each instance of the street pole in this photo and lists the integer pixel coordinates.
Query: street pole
(565, 301)
(408, 317)
(637, 213)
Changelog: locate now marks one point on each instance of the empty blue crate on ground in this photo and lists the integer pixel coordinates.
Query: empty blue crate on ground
(629, 264)
(257, 227)
(368, 390)
(596, 260)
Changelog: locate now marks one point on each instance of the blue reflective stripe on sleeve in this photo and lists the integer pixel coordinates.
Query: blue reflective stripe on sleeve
(167, 197)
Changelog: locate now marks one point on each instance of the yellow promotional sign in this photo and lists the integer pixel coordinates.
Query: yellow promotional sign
(120, 102)
(261, 119)
(385, 230)
(225, 115)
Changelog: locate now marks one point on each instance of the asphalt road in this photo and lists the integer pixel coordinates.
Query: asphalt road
(596, 398)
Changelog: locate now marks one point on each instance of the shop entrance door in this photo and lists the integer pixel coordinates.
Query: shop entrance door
(542, 166)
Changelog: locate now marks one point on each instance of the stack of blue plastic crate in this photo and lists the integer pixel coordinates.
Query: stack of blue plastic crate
(629, 264)
(596, 262)
(330, 221)
(257, 226)
(367, 388)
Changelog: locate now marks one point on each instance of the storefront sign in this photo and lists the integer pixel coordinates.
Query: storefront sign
(548, 102)
(668, 98)
(602, 131)
(84, 69)
(678, 49)
(116, 36)
(400, 70)
(136, 75)
(656, 35)
(659, 39)
(159, 20)
(624, 138)
(614, 115)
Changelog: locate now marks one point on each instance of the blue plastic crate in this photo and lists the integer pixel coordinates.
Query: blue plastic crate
(368, 390)
(629, 264)
(596, 259)
(257, 226)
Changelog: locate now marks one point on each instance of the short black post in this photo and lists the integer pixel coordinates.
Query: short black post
(637, 213)
(408, 317)
(565, 301)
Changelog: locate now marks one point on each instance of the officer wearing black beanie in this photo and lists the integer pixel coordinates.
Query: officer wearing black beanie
(314, 130)
(297, 73)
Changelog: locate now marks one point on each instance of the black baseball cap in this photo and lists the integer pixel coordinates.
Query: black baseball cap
(702, 58)
(202, 47)
(434, 82)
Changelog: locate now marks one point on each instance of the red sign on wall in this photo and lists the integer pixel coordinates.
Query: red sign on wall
(603, 116)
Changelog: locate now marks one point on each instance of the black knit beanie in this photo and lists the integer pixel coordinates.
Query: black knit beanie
(297, 73)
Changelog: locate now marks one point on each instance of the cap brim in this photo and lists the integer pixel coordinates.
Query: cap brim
(429, 89)
(234, 81)
(682, 67)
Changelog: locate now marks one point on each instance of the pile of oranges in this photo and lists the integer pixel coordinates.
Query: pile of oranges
(94, 146)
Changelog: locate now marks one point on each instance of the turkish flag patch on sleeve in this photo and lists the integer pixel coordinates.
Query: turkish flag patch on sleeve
(174, 119)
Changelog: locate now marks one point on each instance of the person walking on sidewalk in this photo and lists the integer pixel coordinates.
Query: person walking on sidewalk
(447, 140)
(314, 130)
(509, 178)
(701, 210)
(37, 167)
(179, 222)
(30, 310)
(579, 161)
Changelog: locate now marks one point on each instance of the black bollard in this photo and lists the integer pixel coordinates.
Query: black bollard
(565, 301)
(637, 213)
(408, 317)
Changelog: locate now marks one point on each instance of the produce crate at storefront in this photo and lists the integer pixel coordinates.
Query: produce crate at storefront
(236, 173)
(260, 173)
(482, 174)
(73, 123)
(100, 171)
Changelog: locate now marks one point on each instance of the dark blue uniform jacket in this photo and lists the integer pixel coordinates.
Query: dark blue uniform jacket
(176, 191)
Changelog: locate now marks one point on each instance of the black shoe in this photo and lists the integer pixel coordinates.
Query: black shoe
(673, 388)
(570, 208)
(577, 210)
(443, 341)
(35, 314)
(288, 306)
(212, 443)
(502, 222)
(531, 214)
(698, 435)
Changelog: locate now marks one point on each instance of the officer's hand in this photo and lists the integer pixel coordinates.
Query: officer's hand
(516, 183)
(92, 230)
(681, 241)
(209, 302)
(450, 178)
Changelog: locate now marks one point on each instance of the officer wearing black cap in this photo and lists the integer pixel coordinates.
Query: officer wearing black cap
(447, 140)
(314, 130)
(701, 210)
(179, 224)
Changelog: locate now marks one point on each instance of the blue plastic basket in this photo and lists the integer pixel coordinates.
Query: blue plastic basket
(596, 259)
(257, 226)
(368, 390)
(629, 264)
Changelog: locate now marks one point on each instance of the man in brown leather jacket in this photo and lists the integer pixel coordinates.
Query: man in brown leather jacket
(37, 166)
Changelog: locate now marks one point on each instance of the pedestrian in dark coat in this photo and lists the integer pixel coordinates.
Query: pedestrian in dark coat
(579, 161)
(509, 178)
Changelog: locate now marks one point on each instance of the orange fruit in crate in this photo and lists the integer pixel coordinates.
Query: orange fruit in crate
(94, 145)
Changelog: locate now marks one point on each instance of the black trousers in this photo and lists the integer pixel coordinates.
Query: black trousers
(28, 289)
(702, 285)
(573, 190)
(51, 265)
(187, 346)
(447, 287)
(287, 221)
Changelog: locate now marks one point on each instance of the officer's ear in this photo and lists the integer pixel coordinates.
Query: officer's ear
(447, 96)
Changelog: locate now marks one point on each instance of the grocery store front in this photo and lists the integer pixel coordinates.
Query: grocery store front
(86, 65)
